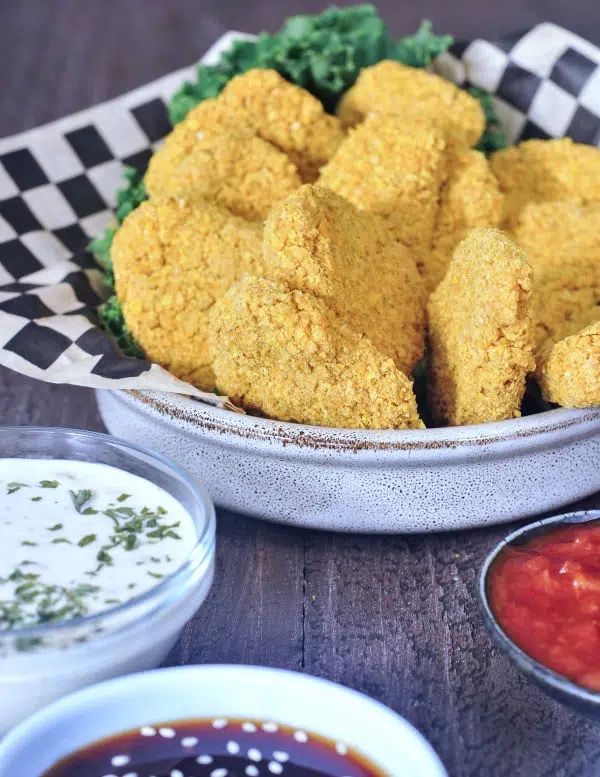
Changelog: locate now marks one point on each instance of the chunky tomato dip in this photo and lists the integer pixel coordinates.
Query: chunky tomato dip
(545, 594)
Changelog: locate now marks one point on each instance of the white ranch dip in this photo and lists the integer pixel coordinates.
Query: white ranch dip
(77, 538)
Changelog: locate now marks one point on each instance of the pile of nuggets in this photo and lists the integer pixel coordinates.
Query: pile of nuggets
(301, 263)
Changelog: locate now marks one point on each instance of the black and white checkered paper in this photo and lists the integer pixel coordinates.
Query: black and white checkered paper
(58, 183)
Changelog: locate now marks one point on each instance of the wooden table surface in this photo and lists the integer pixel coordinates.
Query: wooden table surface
(394, 617)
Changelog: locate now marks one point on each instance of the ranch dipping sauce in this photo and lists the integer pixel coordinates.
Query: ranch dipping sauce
(79, 538)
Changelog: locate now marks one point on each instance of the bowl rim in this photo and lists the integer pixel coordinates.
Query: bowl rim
(543, 674)
(166, 587)
(207, 418)
(100, 695)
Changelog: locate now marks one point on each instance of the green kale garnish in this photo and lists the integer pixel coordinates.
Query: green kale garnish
(420, 49)
(493, 138)
(209, 83)
(132, 195)
(323, 54)
(128, 199)
(100, 247)
(110, 313)
(113, 322)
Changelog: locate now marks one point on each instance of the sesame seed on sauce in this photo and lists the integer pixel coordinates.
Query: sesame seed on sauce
(216, 747)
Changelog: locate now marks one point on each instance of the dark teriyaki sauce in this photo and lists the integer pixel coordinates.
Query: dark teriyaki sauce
(215, 748)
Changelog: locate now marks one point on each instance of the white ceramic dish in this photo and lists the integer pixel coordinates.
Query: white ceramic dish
(55, 659)
(239, 692)
(369, 481)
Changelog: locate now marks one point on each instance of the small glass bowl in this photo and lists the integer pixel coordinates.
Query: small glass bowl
(576, 697)
(42, 663)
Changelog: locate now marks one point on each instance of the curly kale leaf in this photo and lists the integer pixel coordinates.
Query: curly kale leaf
(131, 195)
(323, 54)
(100, 247)
(420, 49)
(210, 81)
(128, 199)
(113, 322)
(493, 138)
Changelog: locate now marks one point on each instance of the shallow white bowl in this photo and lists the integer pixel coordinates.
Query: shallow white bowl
(55, 659)
(239, 692)
(369, 481)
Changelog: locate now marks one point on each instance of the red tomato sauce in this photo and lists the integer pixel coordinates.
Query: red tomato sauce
(546, 596)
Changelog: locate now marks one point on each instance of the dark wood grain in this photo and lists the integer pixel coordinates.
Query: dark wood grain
(395, 617)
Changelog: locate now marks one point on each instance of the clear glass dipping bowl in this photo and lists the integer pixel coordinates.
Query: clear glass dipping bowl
(42, 663)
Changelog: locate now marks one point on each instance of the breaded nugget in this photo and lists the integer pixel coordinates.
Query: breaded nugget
(318, 242)
(470, 198)
(239, 171)
(481, 329)
(173, 258)
(543, 170)
(392, 88)
(571, 374)
(561, 233)
(567, 301)
(287, 116)
(287, 355)
(208, 119)
(261, 103)
(562, 243)
(395, 168)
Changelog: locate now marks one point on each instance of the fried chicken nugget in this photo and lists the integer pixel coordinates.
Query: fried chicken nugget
(545, 170)
(287, 116)
(571, 374)
(566, 303)
(261, 103)
(173, 258)
(481, 329)
(392, 88)
(316, 241)
(395, 168)
(470, 198)
(562, 243)
(287, 355)
(238, 170)
(209, 119)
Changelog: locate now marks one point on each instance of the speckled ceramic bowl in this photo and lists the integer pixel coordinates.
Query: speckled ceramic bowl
(369, 481)
(582, 700)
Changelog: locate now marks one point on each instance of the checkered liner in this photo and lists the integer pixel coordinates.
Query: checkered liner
(58, 182)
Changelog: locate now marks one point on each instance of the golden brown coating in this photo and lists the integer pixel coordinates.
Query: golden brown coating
(287, 116)
(392, 88)
(571, 374)
(481, 329)
(394, 168)
(239, 171)
(173, 258)
(470, 198)
(566, 303)
(318, 242)
(562, 243)
(261, 103)
(545, 170)
(209, 118)
(287, 355)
